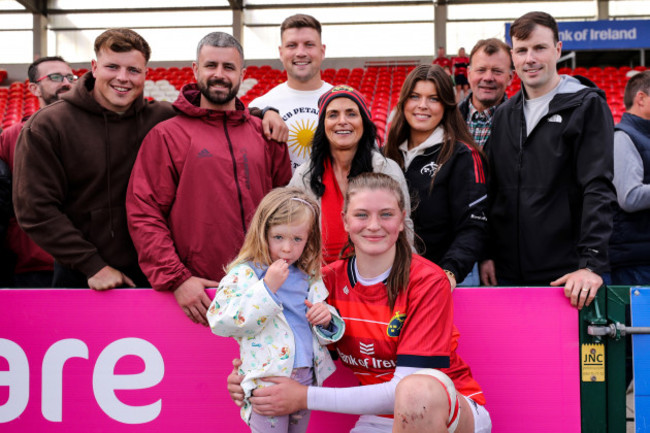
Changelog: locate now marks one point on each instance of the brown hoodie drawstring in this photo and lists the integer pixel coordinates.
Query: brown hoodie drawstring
(108, 175)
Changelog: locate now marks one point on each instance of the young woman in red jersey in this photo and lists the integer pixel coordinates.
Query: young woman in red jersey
(400, 340)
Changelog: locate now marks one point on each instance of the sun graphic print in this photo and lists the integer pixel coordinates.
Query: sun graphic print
(300, 136)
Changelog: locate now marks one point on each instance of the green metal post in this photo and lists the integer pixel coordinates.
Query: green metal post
(602, 382)
(618, 298)
(593, 389)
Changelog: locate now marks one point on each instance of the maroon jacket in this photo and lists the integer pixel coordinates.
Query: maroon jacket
(194, 188)
(29, 256)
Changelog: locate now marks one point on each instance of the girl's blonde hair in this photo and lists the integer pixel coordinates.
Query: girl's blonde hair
(399, 274)
(283, 206)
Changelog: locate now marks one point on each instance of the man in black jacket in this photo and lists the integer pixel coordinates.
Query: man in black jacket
(551, 192)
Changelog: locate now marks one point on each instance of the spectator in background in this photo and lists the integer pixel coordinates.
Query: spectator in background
(630, 242)
(301, 53)
(489, 74)
(444, 171)
(73, 162)
(460, 64)
(7, 259)
(49, 78)
(442, 60)
(550, 156)
(199, 178)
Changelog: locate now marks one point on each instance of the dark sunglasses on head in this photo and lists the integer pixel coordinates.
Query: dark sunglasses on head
(58, 78)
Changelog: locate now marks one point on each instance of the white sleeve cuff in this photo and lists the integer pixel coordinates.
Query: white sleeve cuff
(376, 399)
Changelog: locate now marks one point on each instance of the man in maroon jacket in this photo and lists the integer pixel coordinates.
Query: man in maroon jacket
(199, 178)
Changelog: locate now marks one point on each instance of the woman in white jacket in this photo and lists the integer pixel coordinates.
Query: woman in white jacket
(272, 301)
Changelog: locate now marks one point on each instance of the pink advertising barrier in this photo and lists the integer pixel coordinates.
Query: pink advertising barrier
(130, 361)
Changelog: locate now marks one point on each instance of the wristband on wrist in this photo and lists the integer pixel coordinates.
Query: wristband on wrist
(271, 109)
(450, 274)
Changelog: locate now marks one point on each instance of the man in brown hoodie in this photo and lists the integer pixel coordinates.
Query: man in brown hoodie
(72, 166)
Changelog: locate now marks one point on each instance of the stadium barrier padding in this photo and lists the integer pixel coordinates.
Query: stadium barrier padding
(131, 361)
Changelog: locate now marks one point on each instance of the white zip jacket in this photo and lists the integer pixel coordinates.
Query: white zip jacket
(244, 309)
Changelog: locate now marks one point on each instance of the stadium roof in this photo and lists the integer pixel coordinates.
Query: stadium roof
(360, 28)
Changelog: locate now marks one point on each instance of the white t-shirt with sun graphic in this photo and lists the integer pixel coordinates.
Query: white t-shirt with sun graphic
(299, 109)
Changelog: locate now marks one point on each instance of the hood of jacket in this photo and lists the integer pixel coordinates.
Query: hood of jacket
(189, 99)
(572, 90)
(427, 146)
(82, 97)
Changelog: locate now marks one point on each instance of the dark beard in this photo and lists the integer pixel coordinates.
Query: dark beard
(218, 99)
(51, 99)
(55, 97)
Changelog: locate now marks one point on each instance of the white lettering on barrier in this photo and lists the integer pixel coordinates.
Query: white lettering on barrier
(17, 379)
(105, 382)
(52, 377)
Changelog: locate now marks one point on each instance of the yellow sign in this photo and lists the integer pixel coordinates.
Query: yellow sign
(592, 360)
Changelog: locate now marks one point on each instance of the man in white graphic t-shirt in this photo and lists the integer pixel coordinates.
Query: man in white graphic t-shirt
(301, 53)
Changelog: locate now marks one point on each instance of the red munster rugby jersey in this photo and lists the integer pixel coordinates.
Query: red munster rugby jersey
(419, 332)
(460, 65)
(442, 62)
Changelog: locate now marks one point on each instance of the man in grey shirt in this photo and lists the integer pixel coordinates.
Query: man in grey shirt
(630, 242)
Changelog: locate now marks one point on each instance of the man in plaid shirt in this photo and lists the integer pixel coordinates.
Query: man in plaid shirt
(489, 74)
